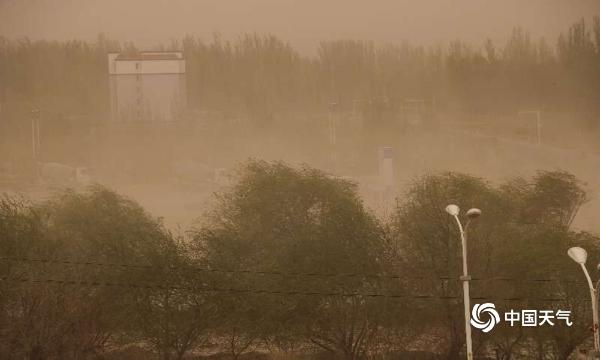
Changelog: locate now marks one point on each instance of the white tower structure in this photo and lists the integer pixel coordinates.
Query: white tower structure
(148, 86)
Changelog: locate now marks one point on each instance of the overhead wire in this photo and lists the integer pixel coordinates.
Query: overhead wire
(260, 272)
(147, 286)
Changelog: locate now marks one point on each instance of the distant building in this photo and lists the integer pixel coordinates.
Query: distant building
(148, 86)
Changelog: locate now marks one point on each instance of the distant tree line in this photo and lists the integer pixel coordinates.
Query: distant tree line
(290, 263)
(263, 75)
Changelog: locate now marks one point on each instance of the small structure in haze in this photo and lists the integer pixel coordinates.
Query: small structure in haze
(147, 86)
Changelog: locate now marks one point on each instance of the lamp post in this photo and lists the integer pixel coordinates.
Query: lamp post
(472, 214)
(579, 255)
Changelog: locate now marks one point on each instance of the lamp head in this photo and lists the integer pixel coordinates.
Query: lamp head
(578, 254)
(473, 213)
(452, 209)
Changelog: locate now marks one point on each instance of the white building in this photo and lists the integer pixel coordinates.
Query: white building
(149, 86)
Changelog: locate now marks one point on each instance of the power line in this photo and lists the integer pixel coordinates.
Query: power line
(262, 272)
(206, 269)
(141, 286)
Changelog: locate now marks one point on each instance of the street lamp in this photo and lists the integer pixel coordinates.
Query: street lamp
(579, 255)
(472, 214)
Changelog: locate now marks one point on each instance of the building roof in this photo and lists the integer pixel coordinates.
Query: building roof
(154, 55)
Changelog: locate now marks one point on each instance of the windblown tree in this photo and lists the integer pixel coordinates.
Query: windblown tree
(74, 309)
(429, 245)
(173, 317)
(538, 235)
(297, 221)
(521, 238)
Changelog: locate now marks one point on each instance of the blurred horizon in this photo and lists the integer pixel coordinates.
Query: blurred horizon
(303, 24)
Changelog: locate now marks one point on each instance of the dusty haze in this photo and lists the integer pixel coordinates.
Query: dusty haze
(303, 23)
(473, 93)
(267, 179)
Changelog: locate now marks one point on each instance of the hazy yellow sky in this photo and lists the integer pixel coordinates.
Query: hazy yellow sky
(301, 22)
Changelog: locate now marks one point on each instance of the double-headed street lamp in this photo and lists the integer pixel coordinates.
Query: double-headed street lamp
(579, 255)
(454, 210)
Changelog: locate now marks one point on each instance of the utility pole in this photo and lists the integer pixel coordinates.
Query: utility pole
(332, 124)
(35, 138)
(333, 109)
(35, 133)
